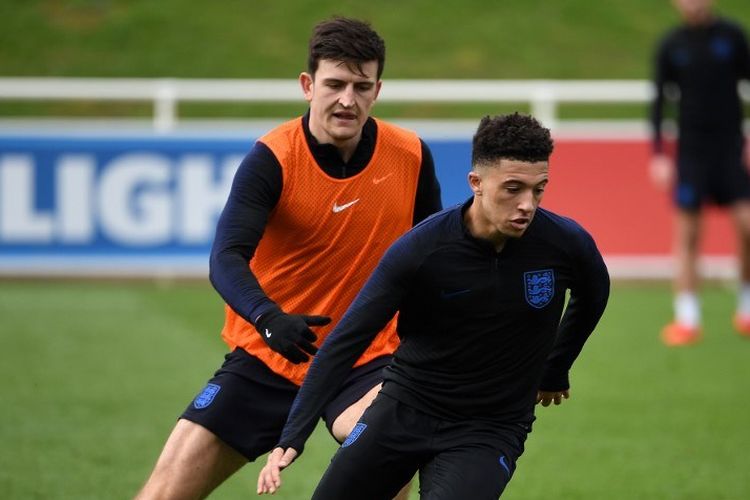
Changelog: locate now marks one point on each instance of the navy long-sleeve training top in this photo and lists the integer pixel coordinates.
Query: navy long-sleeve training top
(256, 190)
(705, 63)
(481, 331)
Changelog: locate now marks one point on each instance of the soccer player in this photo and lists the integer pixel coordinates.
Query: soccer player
(704, 59)
(313, 206)
(480, 290)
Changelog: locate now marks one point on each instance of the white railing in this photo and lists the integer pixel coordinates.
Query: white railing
(543, 96)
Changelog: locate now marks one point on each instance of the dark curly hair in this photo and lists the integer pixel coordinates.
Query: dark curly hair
(350, 41)
(510, 137)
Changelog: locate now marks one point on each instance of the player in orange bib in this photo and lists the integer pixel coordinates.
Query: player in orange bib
(312, 208)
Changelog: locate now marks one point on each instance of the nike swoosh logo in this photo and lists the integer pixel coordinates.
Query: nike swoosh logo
(268, 334)
(504, 465)
(339, 208)
(381, 179)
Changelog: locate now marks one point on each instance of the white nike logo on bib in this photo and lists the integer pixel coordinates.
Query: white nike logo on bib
(268, 334)
(339, 208)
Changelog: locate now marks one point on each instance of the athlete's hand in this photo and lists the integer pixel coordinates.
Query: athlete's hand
(661, 171)
(547, 397)
(290, 334)
(269, 478)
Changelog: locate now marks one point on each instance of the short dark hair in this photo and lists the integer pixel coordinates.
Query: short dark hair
(510, 137)
(350, 41)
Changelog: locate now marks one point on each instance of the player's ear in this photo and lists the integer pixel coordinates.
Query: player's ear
(306, 82)
(377, 88)
(475, 182)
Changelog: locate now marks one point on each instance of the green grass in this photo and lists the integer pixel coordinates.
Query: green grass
(95, 377)
(646, 421)
(425, 39)
(95, 374)
(568, 39)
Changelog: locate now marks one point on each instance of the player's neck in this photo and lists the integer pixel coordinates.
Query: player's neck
(481, 228)
(700, 20)
(345, 147)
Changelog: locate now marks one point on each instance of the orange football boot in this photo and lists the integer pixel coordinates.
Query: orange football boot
(677, 334)
(742, 324)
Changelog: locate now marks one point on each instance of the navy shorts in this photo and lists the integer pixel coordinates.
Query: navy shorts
(455, 459)
(246, 404)
(710, 169)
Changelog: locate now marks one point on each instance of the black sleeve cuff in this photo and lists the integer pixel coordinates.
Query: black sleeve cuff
(298, 447)
(555, 382)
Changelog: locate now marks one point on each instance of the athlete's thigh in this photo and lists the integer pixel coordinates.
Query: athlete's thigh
(465, 473)
(730, 181)
(356, 393)
(244, 404)
(379, 457)
(692, 181)
(347, 419)
(476, 461)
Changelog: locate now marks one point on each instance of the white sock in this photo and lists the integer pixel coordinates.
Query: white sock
(687, 309)
(743, 300)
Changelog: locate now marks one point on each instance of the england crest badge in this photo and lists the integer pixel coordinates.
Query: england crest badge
(206, 397)
(539, 287)
(354, 434)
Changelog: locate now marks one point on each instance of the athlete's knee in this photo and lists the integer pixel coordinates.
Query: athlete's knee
(160, 487)
(193, 462)
(741, 213)
(165, 483)
(171, 479)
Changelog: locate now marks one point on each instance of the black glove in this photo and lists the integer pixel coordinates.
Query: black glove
(289, 334)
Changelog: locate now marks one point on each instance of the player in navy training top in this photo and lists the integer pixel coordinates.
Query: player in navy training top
(480, 290)
(704, 59)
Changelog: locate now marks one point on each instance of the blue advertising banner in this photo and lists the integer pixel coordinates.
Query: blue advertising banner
(120, 205)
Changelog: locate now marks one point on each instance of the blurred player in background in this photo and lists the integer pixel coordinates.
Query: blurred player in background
(704, 59)
(480, 290)
(312, 208)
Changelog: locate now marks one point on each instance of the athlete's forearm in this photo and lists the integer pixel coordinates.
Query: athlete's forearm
(372, 309)
(585, 307)
(657, 104)
(255, 192)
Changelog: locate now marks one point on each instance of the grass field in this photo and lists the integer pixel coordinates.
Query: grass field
(239, 39)
(425, 39)
(94, 374)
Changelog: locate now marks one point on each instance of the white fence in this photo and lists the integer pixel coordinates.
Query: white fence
(62, 212)
(543, 96)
